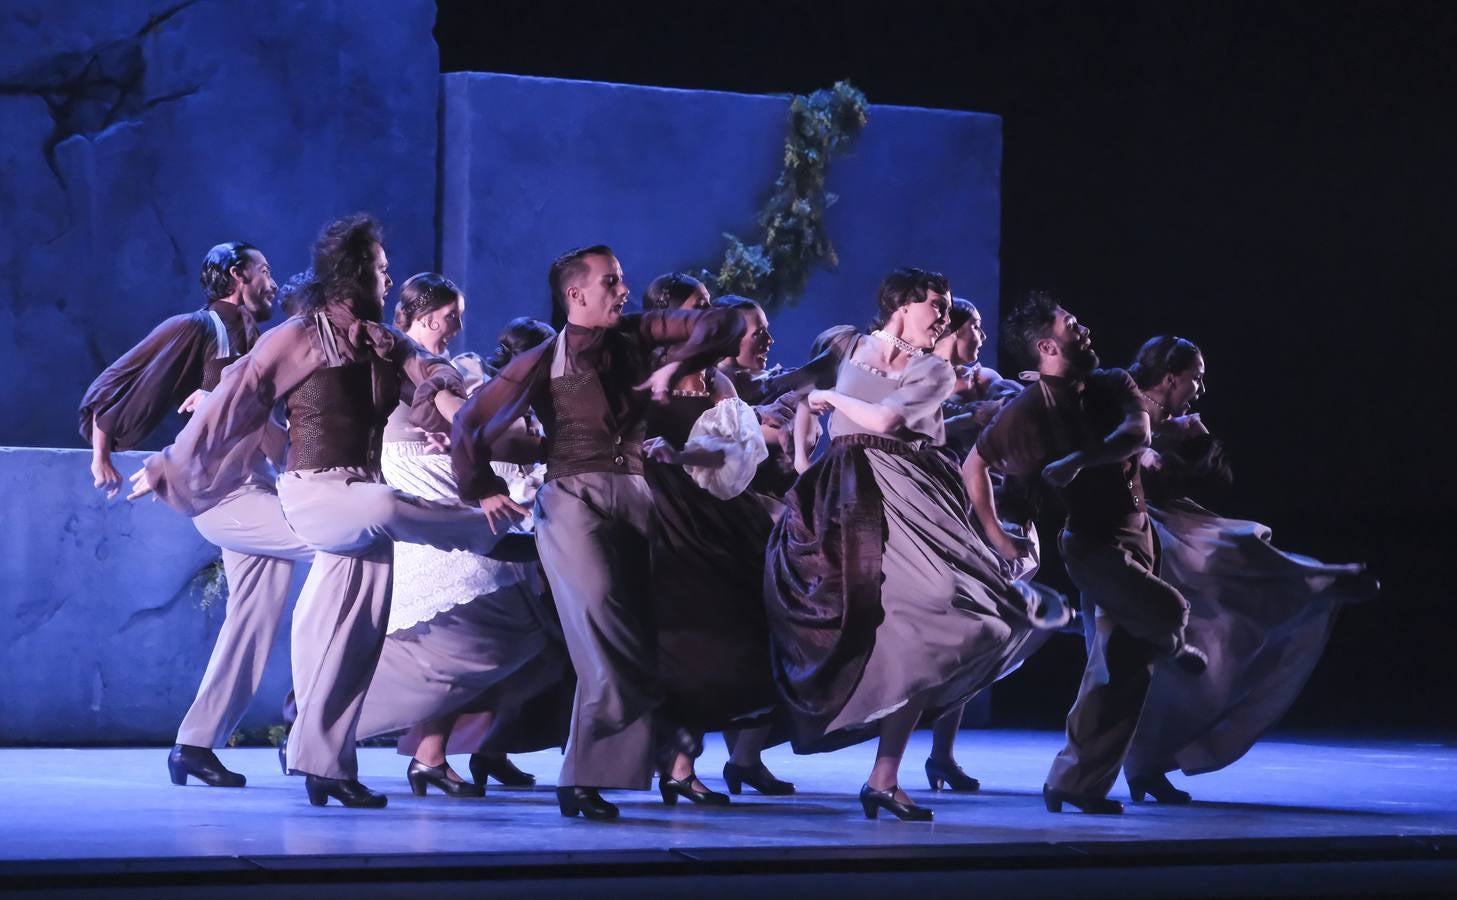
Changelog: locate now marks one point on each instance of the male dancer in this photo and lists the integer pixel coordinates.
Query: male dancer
(178, 363)
(1082, 429)
(338, 370)
(587, 386)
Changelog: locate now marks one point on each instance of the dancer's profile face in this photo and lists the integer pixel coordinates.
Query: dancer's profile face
(597, 298)
(256, 285)
(377, 281)
(699, 299)
(447, 321)
(922, 324)
(969, 340)
(1074, 341)
(1185, 387)
(755, 344)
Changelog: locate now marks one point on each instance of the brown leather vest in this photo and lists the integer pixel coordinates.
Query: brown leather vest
(578, 444)
(336, 418)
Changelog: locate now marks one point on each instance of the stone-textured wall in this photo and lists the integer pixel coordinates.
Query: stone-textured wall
(138, 134)
(105, 626)
(535, 166)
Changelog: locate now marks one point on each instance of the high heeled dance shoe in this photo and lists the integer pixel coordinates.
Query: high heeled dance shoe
(670, 789)
(348, 791)
(283, 755)
(1053, 799)
(419, 775)
(203, 764)
(1157, 785)
(584, 800)
(483, 766)
(757, 777)
(948, 776)
(873, 801)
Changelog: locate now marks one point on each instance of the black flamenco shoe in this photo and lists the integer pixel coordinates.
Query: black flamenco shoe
(948, 776)
(584, 800)
(348, 791)
(873, 801)
(1191, 659)
(670, 789)
(203, 764)
(757, 777)
(283, 755)
(1156, 785)
(419, 775)
(483, 766)
(1053, 799)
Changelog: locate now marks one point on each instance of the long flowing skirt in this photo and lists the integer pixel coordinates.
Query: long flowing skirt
(708, 601)
(880, 593)
(1262, 615)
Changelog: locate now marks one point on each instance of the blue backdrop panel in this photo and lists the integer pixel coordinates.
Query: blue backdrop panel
(138, 134)
(105, 620)
(534, 166)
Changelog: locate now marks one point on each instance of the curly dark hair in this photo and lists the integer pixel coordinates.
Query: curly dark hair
(1030, 321)
(520, 334)
(422, 294)
(903, 287)
(217, 276)
(344, 258)
(670, 291)
(563, 269)
(1160, 356)
(297, 293)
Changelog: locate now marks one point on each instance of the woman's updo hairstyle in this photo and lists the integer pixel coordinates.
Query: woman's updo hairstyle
(1160, 356)
(903, 287)
(670, 291)
(422, 294)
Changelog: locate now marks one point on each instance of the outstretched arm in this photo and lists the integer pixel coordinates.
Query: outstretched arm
(977, 475)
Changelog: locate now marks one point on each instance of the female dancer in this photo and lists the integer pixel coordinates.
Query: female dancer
(708, 603)
(473, 641)
(338, 371)
(883, 602)
(977, 395)
(1262, 615)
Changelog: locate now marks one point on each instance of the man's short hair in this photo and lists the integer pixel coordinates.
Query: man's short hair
(564, 270)
(217, 277)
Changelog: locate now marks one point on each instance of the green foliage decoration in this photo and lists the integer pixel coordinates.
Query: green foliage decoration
(775, 269)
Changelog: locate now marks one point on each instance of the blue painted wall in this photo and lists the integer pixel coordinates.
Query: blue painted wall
(220, 121)
(535, 166)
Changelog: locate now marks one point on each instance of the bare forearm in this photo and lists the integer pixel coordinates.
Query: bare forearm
(101, 443)
(868, 415)
(448, 404)
(978, 478)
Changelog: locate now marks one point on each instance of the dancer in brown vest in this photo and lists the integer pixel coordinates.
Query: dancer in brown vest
(338, 371)
(175, 367)
(590, 386)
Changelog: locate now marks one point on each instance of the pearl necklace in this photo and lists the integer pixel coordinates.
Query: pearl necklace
(902, 346)
(1162, 408)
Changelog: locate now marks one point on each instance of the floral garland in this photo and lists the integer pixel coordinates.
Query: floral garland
(774, 270)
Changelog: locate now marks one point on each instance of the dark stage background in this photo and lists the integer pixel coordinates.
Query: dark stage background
(1273, 180)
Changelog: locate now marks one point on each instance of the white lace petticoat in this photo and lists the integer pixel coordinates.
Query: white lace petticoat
(427, 581)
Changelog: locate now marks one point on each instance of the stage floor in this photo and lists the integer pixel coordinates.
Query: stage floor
(116, 809)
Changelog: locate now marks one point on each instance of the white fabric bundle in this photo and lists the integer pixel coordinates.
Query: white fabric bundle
(732, 427)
